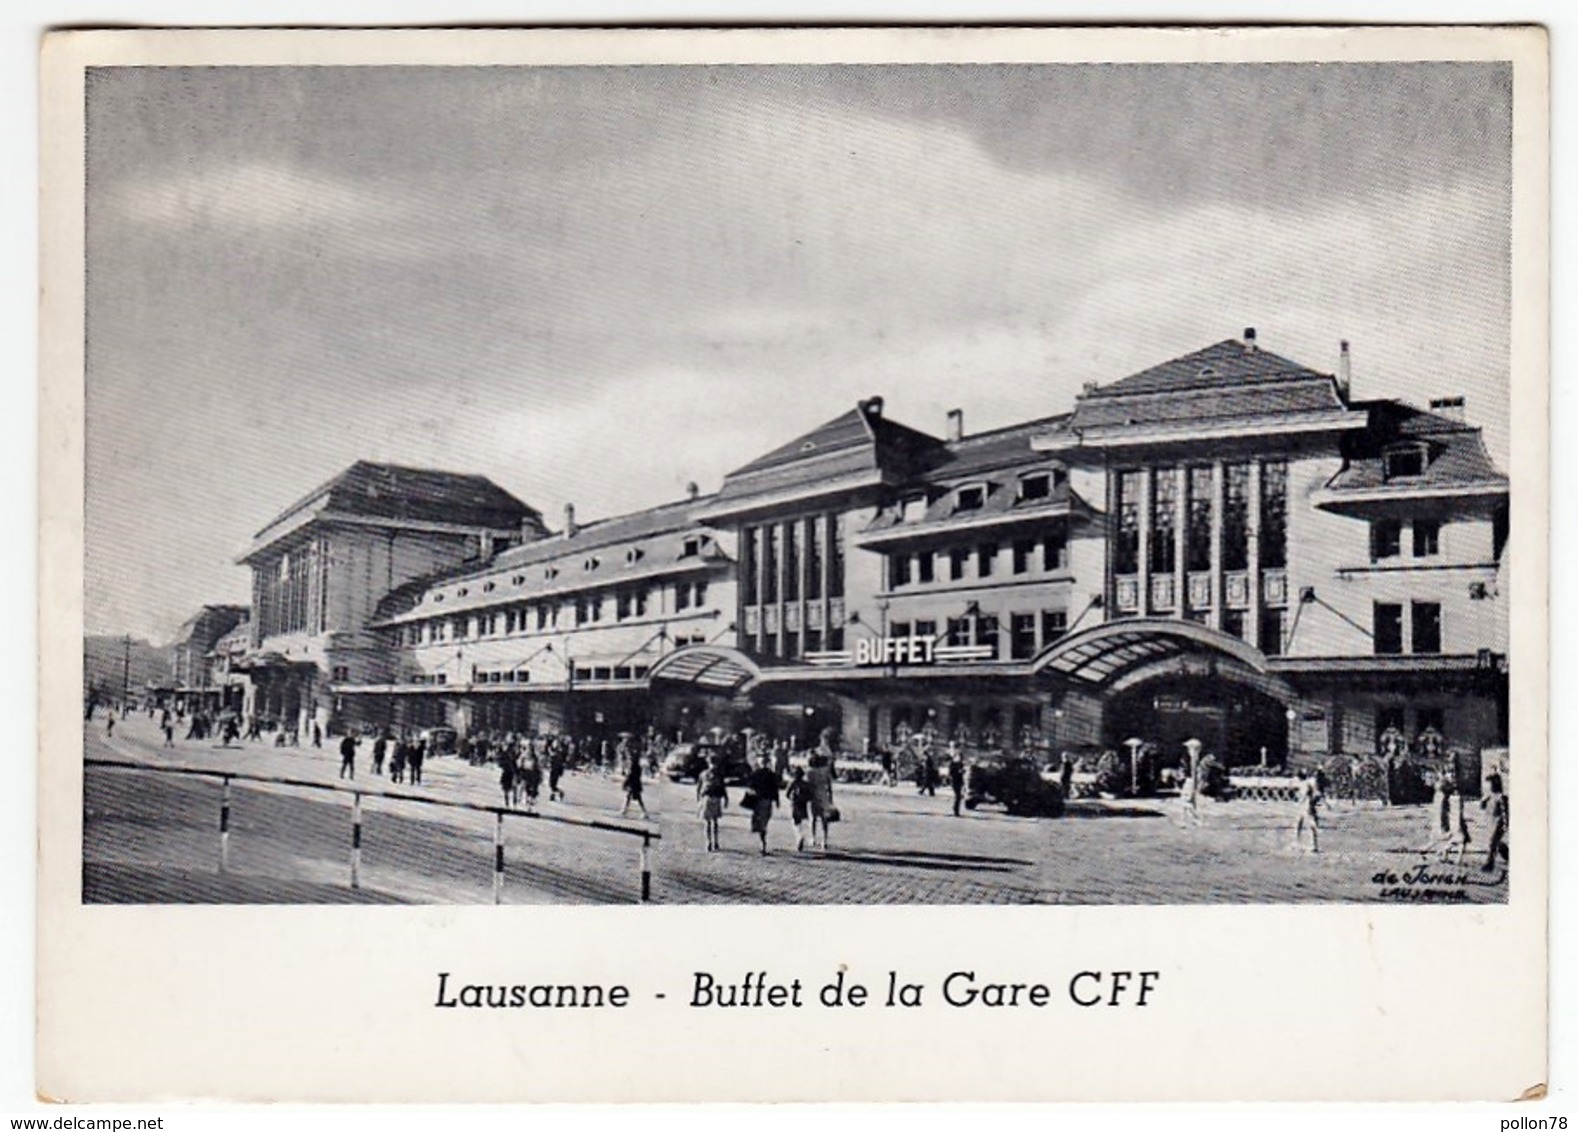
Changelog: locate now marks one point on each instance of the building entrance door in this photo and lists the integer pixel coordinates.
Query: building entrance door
(1232, 721)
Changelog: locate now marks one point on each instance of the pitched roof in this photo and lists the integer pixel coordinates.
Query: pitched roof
(998, 448)
(1455, 451)
(390, 491)
(859, 441)
(1224, 365)
(656, 534)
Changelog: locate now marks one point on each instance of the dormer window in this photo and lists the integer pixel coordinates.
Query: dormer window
(632, 556)
(518, 580)
(488, 587)
(971, 498)
(1037, 485)
(590, 564)
(691, 548)
(1403, 460)
(462, 592)
(550, 573)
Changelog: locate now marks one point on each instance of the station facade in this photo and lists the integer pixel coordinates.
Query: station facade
(1227, 546)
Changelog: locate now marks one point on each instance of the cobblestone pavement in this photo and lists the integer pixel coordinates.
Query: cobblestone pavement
(152, 838)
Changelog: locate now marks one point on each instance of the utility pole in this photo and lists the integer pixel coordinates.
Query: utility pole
(125, 670)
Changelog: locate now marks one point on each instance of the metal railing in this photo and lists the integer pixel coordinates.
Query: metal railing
(646, 834)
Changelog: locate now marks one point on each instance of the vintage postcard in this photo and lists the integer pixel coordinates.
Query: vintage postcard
(974, 560)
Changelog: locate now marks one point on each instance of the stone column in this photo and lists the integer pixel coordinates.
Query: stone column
(1181, 540)
(1218, 504)
(1144, 563)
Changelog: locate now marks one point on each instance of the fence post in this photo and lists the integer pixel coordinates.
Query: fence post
(498, 857)
(224, 827)
(646, 868)
(356, 840)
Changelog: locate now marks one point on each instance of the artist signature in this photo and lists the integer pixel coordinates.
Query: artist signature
(1427, 883)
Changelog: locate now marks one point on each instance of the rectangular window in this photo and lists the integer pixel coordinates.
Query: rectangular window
(509, 621)
(958, 631)
(1271, 632)
(1054, 623)
(987, 632)
(792, 564)
(769, 564)
(750, 552)
(813, 558)
(1426, 618)
(985, 559)
(1274, 515)
(701, 595)
(1023, 549)
(1427, 538)
(835, 640)
(1054, 551)
(681, 596)
(1430, 719)
(1233, 623)
(813, 640)
(1201, 505)
(1164, 521)
(956, 560)
(582, 613)
(925, 628)
(1235, 518)
(970, 499)
(542, 617)
(835, 560)
(1406, 461)
(925, 567)
(1022, 636)
(898, 570)
(622, 606)
(769, 644)
(1038, 486)
(1386, 539)
(1126, 549)
(462, 628)
(1388, 628)
(899, 629)
(791, 644)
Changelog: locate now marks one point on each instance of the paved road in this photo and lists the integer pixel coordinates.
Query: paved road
(153, 838)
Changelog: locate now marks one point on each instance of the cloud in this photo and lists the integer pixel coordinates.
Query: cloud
(260, 197)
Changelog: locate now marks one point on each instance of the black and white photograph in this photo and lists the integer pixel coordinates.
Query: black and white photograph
(848, 484)
(1009, 478)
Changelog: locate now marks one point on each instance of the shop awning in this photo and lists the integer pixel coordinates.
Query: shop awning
(714, 668)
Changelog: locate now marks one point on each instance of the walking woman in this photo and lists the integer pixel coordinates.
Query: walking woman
(762, 789)
(633, 783)
(714, 797)
(823, 812)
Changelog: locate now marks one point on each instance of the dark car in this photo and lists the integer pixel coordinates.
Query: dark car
(686, 761)
(1013, 783)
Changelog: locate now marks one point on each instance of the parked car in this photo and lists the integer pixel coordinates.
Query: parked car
(686, 761)
(1015, 784)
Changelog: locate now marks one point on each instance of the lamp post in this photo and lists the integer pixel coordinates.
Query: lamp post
(1292, 716)
(1134, 764)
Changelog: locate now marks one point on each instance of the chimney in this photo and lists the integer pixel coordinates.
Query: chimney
(1250, 346)
(1344, 370)
(872, 406)
(692, 491)
(1088, 388)
(955, 424)
(1453, 408)
(569, 521)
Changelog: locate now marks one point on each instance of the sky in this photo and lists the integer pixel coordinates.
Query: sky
(594, 285)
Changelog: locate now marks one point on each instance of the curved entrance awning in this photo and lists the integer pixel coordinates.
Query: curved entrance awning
(711, 668)
(1106, 655)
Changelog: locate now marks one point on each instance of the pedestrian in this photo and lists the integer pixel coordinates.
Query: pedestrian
(530, 778)
(397, 762)
(109, 724)
(1065, 776)
(507, 779)
(761, 796)
(317, 734)
(555, 773)
(414, 759)
(1308, 797)
(632, 785)
(929, 775)
(169, 730)
(889, 779)
(348, 756)
(799, 806)
(380, 749)
(956, 775)
(1457, 826)
(1495, 801)
(713, 797)
(823, 811)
